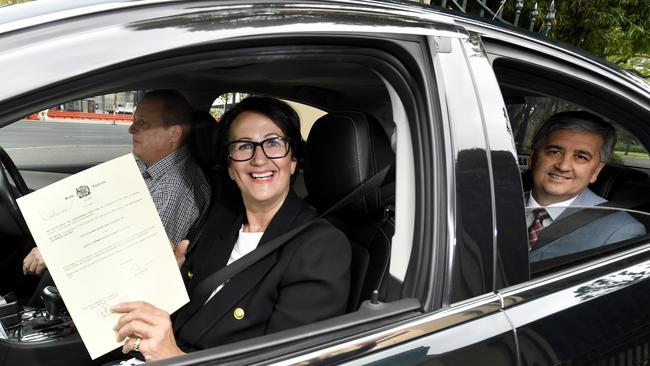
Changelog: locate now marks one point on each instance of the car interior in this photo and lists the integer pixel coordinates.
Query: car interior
(352, 142)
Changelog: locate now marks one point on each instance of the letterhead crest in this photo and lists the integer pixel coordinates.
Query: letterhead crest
(83, 191)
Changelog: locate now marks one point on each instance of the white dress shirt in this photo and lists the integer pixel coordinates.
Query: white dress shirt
(554, 210)
(246, 243)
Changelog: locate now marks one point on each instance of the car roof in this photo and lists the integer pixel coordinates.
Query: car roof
(83, 40)
(22, 17)
(40, 12)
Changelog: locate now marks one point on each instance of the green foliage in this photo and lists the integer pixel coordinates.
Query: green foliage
(615, 158)
(628, 145)
(12, 2)
(630, 148)
(617, 30)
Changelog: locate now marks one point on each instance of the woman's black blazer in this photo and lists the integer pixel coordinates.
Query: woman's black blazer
(306, 280)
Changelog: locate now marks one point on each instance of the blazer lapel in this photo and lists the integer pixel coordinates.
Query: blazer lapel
(204, 316)
(221, 304)
(216, 243)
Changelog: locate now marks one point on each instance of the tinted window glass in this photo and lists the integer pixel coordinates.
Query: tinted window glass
(569, 234)
(574, 233)
(528, 113)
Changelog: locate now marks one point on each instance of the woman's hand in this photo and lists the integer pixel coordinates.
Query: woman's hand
(151, 325)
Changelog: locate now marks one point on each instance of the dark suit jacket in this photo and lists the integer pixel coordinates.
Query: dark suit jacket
(609, 229)
(304, 281)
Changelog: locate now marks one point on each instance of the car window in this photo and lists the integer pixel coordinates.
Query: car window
(350, 85)
(69, 137)
(225, 101)
(528, 113)
(577, 228)
(568, 233)
(308, 114)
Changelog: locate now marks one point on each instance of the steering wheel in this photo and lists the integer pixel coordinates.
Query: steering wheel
(16, 238)
(12, 223)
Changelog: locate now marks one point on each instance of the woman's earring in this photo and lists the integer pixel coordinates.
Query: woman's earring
(232, 177)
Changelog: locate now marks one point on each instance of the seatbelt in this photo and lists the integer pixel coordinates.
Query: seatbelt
(207, 285)
(571, 223)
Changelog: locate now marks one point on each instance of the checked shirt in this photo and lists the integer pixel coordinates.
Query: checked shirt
(179, 190)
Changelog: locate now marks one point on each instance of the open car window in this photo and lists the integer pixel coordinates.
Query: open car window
(308, 114)
(68, 137)
(98, 135)
(528, 113)
(533, 94)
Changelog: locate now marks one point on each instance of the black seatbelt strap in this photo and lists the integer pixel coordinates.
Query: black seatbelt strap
(571, 223)
(207, 285)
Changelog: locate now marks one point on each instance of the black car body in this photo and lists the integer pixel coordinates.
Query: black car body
(459, 288)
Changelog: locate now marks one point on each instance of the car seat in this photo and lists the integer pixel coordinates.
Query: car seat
(204, 145)
(345, 149)
(204, 140)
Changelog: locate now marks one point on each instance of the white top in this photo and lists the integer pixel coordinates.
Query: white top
(246, 243)
(553, 210)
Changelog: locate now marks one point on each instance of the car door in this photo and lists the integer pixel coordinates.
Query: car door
(471, 327)
(587, 307)
(196, 47)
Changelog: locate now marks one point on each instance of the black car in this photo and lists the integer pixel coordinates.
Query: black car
(441, 271)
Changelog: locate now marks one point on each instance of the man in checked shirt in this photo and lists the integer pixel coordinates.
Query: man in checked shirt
(161, 126)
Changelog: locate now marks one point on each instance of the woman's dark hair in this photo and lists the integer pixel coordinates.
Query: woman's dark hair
(276, 110)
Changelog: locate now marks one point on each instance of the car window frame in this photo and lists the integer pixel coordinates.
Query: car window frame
(576, 84)
(392, 71)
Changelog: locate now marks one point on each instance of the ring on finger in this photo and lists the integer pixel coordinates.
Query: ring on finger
(136, 345)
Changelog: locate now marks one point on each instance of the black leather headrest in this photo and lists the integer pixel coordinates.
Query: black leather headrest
(343, 150)
(204, 140)
(612, 177)
(610, 180)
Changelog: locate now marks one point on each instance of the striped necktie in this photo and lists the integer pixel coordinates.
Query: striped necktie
(535, 229)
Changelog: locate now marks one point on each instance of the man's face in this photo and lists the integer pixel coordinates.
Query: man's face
(152, 140)
(564, 165)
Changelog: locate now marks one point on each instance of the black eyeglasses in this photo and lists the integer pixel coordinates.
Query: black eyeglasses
(273, 148)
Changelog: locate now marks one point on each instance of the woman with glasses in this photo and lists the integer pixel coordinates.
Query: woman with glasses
(304, 281)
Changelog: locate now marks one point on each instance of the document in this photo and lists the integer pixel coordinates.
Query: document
(103, 242)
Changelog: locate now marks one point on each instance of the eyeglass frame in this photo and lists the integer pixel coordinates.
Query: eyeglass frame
(255, 144)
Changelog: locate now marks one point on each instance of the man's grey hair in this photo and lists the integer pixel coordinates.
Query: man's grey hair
(579, 121)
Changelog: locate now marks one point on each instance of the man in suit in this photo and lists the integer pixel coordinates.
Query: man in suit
(568, 153)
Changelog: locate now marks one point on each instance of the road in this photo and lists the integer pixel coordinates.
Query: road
(64, 143)
(46, 152)
(637, 162)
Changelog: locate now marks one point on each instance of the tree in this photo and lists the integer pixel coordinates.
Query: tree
(12, 2)
(617, 30)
